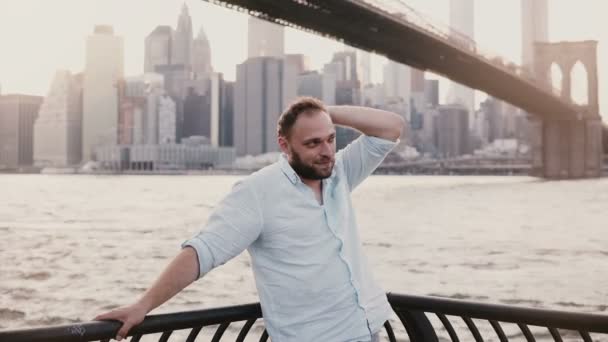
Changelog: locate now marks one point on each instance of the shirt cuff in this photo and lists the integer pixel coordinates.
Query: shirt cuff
(204, 255)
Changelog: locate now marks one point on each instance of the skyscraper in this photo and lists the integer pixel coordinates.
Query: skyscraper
(365, 63)
(265, 39)
(197, 114)
(535, 27)
(165, 110)
(201, 56)
(418, 102)
(58, 129)
(431, 91)
(158, 48)
(148, 115)
(398, 88)
(227, 115)
(182, 41)
(103, 69)
(345, 70)
(452, 131)
(363, 66)
(321, 86)
(462, 22)
(17, 116)
(293, 66)
(258, 104)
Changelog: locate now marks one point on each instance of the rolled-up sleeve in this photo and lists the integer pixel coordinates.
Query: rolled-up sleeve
(233, 225)
(361, 157)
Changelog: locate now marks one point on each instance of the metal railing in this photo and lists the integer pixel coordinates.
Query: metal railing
(414, 313)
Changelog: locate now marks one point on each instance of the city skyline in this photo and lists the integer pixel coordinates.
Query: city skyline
(229, 47)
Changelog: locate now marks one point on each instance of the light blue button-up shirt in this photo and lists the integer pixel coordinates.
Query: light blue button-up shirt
(312, 278)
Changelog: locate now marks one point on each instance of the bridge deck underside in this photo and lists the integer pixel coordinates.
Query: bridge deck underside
(368, 28)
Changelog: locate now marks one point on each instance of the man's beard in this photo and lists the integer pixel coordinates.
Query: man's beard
(308, 171)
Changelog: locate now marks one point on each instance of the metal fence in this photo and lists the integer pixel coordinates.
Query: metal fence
(415, 315)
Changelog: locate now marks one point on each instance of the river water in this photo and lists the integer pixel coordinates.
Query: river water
(73, 246)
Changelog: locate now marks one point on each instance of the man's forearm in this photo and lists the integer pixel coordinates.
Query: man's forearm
(370, 121)
(181, 272)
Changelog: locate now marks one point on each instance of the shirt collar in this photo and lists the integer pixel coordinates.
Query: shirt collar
(293, 176)
(288, 170)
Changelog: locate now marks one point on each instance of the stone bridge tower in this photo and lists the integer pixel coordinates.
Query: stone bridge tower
(569, 147)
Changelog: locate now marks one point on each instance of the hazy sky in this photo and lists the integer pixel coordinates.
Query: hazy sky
(38, 37)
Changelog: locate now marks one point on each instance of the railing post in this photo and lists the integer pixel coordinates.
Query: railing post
(417, 325)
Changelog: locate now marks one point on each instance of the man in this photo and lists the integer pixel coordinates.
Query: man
(296, 220)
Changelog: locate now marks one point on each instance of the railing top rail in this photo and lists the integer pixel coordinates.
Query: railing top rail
(151, 325)
(589, 322)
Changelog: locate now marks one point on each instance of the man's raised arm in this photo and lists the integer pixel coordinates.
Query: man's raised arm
(370, 121)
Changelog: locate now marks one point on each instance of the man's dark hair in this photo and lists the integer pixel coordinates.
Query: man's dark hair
(299, 106)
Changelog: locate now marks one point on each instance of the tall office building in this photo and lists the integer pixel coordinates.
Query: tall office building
(452, 131)
(131, 110)
(58, 129)
(462, 22)
(160, 121)
(182, 45)
(147, 113)
(215, 92)
(317, 85)
(17, 116)
(535, 28)
(293, 66)
(158, 48)
(201, 56)
(365, 63)
(345, 69)
(165, 110)
(363, 66)
(258, 104)
(398, 88)
(418, 102)
(227, 115)
(103, 69)
(210, 114)
(489, 120)
(265, 39)
(373, 96)
(431, 92)
(197, 114)
(220, 108)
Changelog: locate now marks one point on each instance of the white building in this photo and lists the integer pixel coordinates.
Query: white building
(158, 48)
(293, 66)
(166, 119)
(398, 87)
(166, 157)
(535, 27)
(364, 64)
(58, 129)
(201, 63)
(321, 86)
(182, 48)
(373, 95)
(103, 69)
(148, 114)
(462, 22)
(265, 39)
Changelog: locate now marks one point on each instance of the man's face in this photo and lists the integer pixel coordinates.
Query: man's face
(311, 145)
